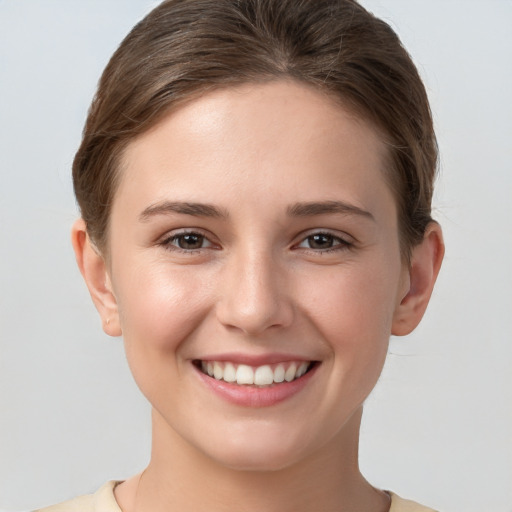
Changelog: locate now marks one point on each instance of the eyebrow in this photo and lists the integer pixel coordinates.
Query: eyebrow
(184, 208)
(208, 210)
(326, 207)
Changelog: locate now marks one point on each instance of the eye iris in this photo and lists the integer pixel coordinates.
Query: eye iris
(190, 241)
(320, 241)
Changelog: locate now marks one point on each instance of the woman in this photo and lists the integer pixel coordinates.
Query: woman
(255, 183)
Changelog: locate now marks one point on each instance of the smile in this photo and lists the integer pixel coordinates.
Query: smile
(260, 376)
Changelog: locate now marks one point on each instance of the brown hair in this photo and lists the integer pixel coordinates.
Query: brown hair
(186, 47)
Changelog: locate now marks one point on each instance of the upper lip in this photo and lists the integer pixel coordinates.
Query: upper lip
(254, 360)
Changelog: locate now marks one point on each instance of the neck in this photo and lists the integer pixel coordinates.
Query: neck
(180, 477)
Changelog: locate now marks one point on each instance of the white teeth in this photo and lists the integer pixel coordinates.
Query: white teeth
(290, 373)
(302, 369)
(244, 375)
(229, 373)
(218, 372)
(279, 373)
(261, 376)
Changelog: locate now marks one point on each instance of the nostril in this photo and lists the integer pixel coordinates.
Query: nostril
(257, 317)
(253, 296)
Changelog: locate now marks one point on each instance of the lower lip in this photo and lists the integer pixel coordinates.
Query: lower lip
(253, 396)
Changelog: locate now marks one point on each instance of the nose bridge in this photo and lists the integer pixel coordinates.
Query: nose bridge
(254, 296)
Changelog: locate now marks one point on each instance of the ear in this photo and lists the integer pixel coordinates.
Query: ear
(424, 267)
(95, 273)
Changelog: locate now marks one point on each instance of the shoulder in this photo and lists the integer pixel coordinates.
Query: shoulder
(104, 501)
(101, 501)
(402, 505)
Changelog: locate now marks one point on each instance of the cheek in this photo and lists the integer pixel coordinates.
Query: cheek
(159, 309)
(353, 306)
(161, 306)
(353, 310)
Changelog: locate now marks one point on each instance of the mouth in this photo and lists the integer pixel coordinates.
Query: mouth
(268, 375)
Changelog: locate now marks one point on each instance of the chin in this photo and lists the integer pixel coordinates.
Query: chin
(261, 452)
(256, 461)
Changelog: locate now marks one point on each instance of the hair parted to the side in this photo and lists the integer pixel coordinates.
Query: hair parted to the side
(186, 47)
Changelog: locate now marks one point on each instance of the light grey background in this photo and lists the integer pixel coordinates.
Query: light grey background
(438, 428)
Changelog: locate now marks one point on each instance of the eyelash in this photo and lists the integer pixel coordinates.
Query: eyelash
(171, 243)
(340, 244)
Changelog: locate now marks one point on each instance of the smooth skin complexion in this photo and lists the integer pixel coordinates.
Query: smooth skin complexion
(254, 226)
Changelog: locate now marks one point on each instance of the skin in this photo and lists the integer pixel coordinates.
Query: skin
(256, 284)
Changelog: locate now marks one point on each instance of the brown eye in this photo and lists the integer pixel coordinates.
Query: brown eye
(323, 242)
(320, 241)
(189, 241)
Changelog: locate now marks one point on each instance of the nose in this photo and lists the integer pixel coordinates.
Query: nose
(254, 294)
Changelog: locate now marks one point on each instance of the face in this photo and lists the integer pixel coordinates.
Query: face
(256, 269)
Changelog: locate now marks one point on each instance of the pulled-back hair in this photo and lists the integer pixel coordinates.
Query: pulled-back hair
(184, 48)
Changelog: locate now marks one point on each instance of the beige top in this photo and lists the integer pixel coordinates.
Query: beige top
(104, 501)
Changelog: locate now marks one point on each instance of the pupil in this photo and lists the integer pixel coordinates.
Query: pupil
(190, 241)
(320, 241)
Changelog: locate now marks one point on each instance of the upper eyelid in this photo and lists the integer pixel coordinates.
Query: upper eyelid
(184, 231)
(343, 236)
(167, 239)
(168, 243)
(212, 239)
(340, 243)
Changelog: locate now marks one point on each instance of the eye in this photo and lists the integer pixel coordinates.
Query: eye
(323, 242)
(187, 241)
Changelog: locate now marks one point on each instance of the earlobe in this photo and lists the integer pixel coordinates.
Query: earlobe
(95, 273)
(425, 264)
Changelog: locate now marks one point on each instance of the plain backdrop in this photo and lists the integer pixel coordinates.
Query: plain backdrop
(438, 428)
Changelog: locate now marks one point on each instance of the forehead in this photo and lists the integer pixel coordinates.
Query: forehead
(250, 138)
